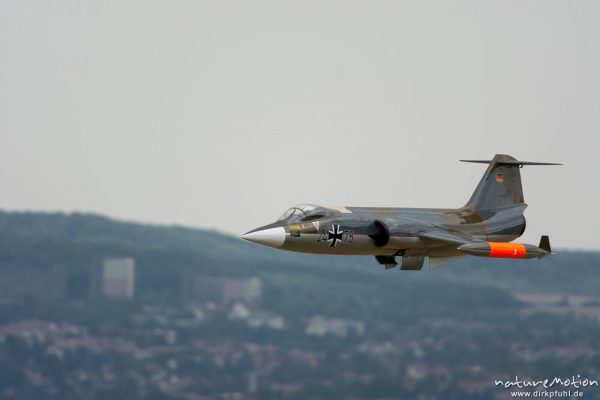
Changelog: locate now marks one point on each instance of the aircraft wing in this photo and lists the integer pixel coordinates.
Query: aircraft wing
(448, 237)
(468, 245)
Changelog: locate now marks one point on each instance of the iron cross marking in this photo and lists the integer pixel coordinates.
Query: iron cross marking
(334, 235)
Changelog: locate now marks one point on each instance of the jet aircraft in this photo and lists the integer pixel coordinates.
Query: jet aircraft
(484, 227)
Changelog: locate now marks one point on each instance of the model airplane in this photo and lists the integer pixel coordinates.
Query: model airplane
(483, 227)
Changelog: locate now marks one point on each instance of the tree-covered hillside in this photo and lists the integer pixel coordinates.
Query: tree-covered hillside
(41, 240)
(318, 326)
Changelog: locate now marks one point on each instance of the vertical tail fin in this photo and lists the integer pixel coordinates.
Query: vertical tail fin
(500, 186)
(545, 244)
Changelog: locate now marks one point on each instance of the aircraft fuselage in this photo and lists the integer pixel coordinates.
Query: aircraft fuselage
(492, 217)
(354, 230)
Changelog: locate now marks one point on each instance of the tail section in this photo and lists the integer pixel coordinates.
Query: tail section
(545, 244)
(500, 186)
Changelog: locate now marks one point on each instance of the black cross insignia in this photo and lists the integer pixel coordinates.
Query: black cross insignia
(334, 235)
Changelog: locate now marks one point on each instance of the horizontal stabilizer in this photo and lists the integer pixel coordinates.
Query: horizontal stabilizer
(509, 162)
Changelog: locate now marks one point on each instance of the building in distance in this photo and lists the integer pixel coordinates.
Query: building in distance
(118, 278)
(201, 288)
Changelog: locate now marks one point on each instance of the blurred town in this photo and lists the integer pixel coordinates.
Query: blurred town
(96, 318)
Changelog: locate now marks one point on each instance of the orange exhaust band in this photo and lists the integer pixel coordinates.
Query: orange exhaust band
(507, 250)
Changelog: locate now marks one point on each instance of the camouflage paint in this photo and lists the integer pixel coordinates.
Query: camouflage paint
(492, 216)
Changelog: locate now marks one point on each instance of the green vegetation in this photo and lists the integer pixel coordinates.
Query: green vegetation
(444, 333)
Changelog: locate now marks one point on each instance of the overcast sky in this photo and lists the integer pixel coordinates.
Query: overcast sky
(223, 114)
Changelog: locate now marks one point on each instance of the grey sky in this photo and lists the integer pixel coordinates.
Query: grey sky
(222, 114)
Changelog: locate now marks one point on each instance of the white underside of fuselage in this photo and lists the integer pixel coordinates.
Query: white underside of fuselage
(364, 245)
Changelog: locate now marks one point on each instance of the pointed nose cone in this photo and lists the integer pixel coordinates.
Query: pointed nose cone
(272, 237)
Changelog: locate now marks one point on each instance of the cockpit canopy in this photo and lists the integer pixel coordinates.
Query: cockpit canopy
(305, 212)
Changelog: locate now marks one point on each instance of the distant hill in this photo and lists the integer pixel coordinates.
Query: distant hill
(341, 314)
(42, 240)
